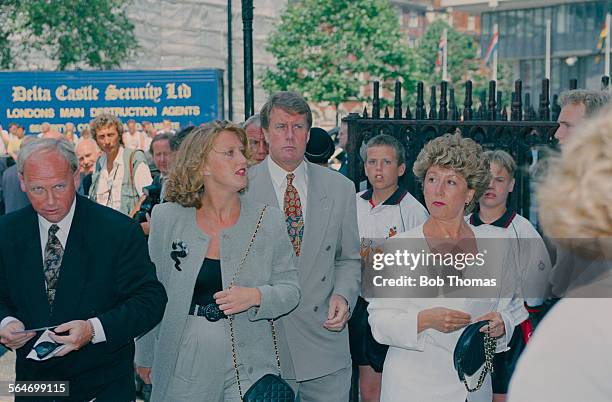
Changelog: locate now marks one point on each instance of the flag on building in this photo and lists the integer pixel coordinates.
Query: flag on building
(602, 38)
(601, 42)
(441, 46)
(491, 48)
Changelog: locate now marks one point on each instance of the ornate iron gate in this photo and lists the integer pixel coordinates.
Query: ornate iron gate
(526, 134)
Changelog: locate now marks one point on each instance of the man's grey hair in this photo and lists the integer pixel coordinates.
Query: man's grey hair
(37, 145)
(290, 102)
(87, 141)
(592, 100)
(255, 119)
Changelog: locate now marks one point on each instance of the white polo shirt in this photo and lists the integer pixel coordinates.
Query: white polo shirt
(399, 213)
(534, 260)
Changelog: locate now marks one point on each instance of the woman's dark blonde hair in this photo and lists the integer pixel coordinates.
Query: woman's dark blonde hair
(186, 179)
(463, 155)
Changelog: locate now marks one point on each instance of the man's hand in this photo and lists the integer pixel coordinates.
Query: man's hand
(338, 313)
(80, 333)
(144, 373)
(14, 341)
(237, 299)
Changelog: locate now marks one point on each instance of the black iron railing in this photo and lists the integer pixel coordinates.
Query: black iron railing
(525, 133)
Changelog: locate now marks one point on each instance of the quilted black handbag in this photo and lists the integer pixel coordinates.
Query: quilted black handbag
(270, 387)
(474, 350)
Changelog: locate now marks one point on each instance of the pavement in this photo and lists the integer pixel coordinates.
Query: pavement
(7, 371)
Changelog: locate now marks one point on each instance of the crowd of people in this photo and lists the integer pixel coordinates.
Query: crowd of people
(256, 250)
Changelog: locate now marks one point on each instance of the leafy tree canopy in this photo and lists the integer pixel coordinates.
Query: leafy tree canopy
(328, 50)
(73, 33)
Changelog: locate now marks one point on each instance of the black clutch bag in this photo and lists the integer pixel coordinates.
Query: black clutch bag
(474, 352)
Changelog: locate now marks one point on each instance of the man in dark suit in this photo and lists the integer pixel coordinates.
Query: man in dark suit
(70, 262)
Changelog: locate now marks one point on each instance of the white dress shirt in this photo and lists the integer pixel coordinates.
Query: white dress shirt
(2, 147)
(279, 181)
(114, 180)
(62, 236)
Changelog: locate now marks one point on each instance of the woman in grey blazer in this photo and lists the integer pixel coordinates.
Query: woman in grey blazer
(197, 242)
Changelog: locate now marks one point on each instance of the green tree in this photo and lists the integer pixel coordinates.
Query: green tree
(464, 63)
(328, 50)
(73, 33)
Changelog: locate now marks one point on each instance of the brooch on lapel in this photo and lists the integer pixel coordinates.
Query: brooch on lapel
(179, 250)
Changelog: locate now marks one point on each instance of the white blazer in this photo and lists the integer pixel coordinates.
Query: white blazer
(419, 366)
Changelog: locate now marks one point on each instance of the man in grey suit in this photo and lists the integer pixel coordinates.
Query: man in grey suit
(321, 220)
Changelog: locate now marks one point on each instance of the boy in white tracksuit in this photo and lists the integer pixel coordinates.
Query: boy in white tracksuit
(382, 211)
(531, 252)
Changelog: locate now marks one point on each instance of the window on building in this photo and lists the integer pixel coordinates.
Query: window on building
(413, 20)
(471, 23)
(537, 36)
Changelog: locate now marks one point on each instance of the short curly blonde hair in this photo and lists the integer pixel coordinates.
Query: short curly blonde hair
(580, 177)
(185, 184)
(463, 155)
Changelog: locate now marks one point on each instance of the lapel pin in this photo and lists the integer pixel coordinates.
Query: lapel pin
(179, 250)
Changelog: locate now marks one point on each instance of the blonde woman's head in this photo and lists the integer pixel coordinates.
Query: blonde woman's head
(185, 184)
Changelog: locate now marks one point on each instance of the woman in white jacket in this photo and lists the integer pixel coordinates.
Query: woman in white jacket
(422, 329)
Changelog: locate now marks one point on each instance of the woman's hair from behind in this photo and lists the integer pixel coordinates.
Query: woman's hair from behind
(575, 196)
(186, 178)
(462, 155)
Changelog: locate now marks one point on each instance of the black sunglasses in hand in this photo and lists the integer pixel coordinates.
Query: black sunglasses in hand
(43, 349)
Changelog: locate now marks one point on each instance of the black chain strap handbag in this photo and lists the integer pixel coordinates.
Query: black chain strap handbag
(474, 351)
(270, 387)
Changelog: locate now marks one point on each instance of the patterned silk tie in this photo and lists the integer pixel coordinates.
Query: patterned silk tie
(293, 213)
(53, 259)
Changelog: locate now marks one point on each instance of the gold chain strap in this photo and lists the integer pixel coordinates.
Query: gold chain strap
(231, 317)
(489, 350)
